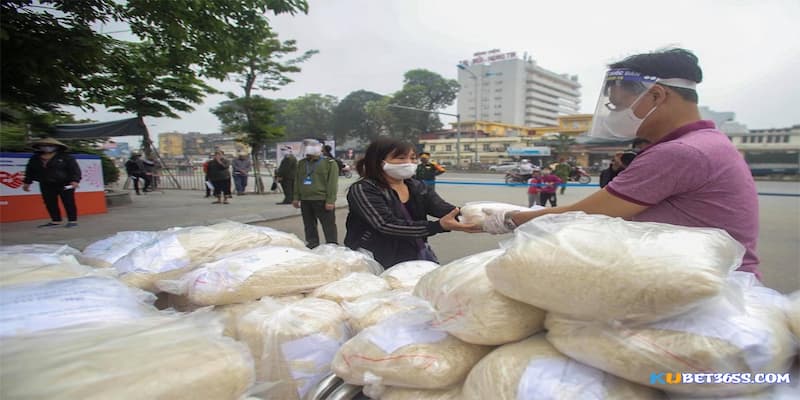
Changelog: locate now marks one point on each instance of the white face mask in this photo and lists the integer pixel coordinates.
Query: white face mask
(624, 123)
(400, 171)
(48, 149)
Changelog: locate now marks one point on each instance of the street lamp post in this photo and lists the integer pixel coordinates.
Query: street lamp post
(475, 128)
(458, 125)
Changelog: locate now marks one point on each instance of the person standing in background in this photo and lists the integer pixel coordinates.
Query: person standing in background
(427, 170)
(285, 175)
(220, 176)
(562, 171)
(205, 175)
(241, 171)
(315, 188)
(534, 187)
(58, 175)
(549, 183)
(136, 170)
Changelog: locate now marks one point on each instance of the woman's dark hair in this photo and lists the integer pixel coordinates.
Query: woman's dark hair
(371, 165)
(670, 63)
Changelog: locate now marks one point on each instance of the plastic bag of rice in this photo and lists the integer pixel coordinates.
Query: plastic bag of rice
(233, 313)
(349, 260)
(406, 350)
(371, 309)
(475, 212)
(251, 274)
(405, 275)
(351, 287)
(105, 252)
(533, 369)
(595, 267)
(793, 313)
(163, 357)
(399, 393)
(468, 307)
(31, 268)
(56, 304)
(177, 251)
(43, 249)
(293, 344)
(719, 336)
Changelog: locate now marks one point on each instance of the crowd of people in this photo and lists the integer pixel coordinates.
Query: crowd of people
(649, 100)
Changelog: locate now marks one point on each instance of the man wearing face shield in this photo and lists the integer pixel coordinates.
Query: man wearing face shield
(690, 174)
(314, 193)
(58, 175)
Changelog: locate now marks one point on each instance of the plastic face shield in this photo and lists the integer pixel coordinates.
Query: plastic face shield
(621, 89)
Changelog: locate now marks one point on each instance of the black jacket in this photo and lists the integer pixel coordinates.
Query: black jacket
(376, 222)
(134, 167)
(608, 175)
(59, 170)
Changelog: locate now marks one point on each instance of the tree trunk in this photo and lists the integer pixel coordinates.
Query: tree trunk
(257, 170)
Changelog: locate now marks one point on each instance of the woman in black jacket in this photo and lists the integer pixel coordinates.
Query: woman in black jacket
(389, 210)
(58, 175)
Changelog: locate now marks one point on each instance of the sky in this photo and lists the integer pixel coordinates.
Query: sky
(749, 50)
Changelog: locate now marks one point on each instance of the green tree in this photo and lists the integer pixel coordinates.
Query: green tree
(351, 119)
(425, 90)
(309, 116)
(381, 119)
(251, 119)
(560, 144)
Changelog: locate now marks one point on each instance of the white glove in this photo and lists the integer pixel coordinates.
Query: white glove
(498, 222)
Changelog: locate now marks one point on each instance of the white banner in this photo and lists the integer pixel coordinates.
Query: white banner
(12, 174)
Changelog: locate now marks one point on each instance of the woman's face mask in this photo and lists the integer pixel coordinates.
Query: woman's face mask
(313, 150)
(400, 171)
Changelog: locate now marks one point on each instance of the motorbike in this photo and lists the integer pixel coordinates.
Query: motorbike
(514, 176)
(578, 174)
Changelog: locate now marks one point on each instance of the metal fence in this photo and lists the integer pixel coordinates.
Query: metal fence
(194, 181)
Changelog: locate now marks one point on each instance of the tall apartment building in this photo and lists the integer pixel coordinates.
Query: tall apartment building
(170, 144)
(514, 91)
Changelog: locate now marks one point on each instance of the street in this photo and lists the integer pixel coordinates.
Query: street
(778, 238)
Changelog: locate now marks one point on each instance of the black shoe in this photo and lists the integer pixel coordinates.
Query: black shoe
(48, 225)
(138, 194)
(71, 224)
(282, 203)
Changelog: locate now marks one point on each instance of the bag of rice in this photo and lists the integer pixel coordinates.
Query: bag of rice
(793, 313)
(405, 275)
(469, 308)
(399, 393)
(177, 251)
(718, 336)
(406, 350)
(233, 313)
(33, 268)
(162, 357)
(56, 304)
(475, 212)
(371, 309)
(601, 268)
(350, 260)
(43, 249)
(351, 287)
(249, 275)
(293, 344)
(105, 252)
(533, 369)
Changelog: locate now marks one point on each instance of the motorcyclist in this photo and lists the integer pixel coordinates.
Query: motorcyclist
(525, 169)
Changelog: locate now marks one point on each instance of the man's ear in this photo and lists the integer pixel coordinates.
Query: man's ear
(659, 94)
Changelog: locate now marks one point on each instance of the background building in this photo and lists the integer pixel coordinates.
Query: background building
(170, 145)
(514, 91)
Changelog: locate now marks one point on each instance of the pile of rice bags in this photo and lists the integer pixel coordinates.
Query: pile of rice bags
(469, 308)
(233, 313)
(105, 252)
(255, 273)
(56, 304)
(351, 287)
(793, 313)
(601, 268)
(177, 251)
(371, 309)
(293, 344)
(159, 357)
(42, 249)
(721, 335)
(406, 350)
(350, 260)
(533, 369)
(405, 275)
(399, 393)
(476, 212)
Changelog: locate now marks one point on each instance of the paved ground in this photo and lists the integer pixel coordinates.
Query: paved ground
(778, 244)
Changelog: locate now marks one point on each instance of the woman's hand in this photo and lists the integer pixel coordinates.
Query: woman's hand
(450, 223)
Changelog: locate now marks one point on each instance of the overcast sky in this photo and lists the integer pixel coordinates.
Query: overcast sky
(749, 50)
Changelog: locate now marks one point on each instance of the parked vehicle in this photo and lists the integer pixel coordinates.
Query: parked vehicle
(514, 176)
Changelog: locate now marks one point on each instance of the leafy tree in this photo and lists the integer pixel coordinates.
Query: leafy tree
(351, 119)
(381, 119)
(309, 115)
(425, 90)
(142, 80)
(560, 144)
